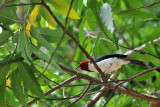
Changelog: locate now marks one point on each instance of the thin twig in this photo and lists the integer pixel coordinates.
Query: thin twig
(54, 88)
(138, 8)
(23, 4)
(81, 95)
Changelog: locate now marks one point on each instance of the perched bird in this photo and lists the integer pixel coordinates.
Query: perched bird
(108, 63)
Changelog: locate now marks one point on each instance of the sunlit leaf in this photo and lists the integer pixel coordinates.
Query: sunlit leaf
(106, 15)
(63, 8)
(32, 19)
(50, 20)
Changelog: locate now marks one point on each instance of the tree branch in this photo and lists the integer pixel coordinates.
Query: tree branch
(138, 8)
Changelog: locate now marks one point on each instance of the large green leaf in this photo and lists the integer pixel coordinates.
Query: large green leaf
(26, 73)
(2, 95)
(24, 45)
(4, 36)
(40, 39)
(17, 88)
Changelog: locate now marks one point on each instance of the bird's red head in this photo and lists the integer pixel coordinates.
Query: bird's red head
(83, 65)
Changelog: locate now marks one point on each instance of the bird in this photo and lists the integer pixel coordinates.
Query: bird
(108, 63)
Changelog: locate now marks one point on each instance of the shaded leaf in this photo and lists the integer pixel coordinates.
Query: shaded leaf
(6, 17)
(24, 45)
(2, 91)
(26, 73)
(40, 38)
(63, 8)
(17, 88)
(52, 36)
(3, 72)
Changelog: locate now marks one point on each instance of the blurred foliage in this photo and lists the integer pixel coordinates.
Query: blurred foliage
(30, 33)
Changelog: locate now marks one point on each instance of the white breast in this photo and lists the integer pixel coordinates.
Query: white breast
(108, 65)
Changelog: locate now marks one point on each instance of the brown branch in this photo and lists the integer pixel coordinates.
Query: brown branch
(60, 41)
(93, 101)
(138, 8)
(54, 88)
(23, 4)
(81, 95)
(119, 89)
(77, 43)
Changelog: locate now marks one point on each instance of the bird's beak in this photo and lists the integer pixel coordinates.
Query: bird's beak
(78, 67)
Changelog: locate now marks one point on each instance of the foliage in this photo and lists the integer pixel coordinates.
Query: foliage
(30, 34)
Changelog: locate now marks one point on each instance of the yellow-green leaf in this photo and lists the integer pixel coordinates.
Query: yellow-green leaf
(50, 20)
(63, 8)
(32, 19)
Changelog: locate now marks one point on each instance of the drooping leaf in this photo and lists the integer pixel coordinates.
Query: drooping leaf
(32, 19)
(24, 45)
(26, 73)
(2, 90)
(10, 99)
(17, 88)
(40, 39)
(63, 8)
(4, 36)
(106, 15)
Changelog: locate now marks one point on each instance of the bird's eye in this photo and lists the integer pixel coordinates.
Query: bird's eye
(82, 65)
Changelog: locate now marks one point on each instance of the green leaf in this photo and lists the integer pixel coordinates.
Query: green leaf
(63, 8)
(52, 36)
(2, 96)
(79, 54)
(106, 15)
(139, 14)
(152, 36)
(41, 55)
(6, 17)
(90, 20)
(4, 36)
(17, 88)
(40, 39)
(26, 73)
(3, 72)
(24, 45)
(10, 99)
(134, 31)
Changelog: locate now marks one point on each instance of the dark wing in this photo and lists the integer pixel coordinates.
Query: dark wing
(109, 56)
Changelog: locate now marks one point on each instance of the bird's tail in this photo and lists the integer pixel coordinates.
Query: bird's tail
(136, 62)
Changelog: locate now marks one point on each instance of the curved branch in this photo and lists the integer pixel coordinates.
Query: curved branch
(119, 89)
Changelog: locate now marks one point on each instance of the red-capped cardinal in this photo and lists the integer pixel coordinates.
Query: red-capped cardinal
(108, 63)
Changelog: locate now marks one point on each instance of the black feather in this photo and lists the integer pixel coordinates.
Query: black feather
(98, 59)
